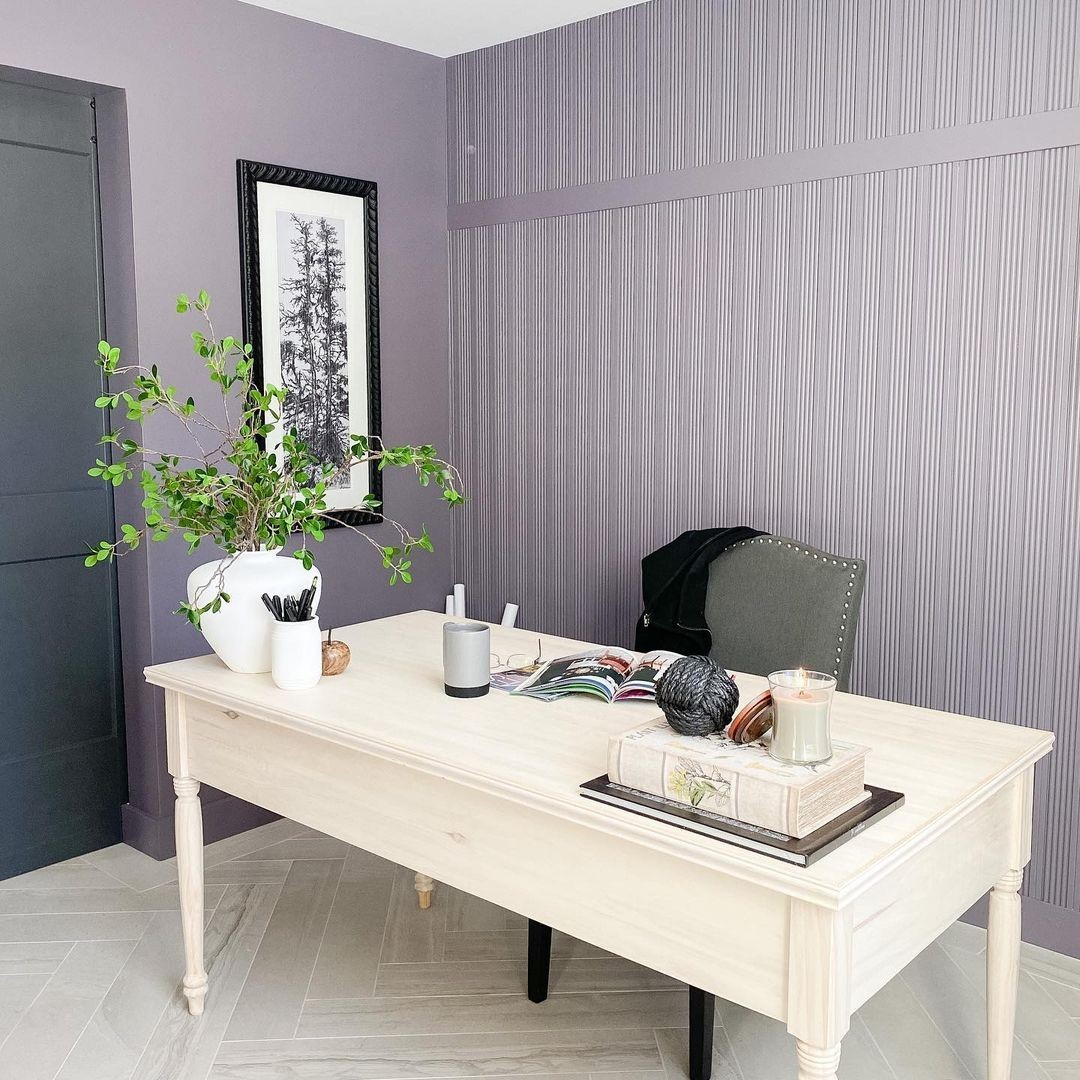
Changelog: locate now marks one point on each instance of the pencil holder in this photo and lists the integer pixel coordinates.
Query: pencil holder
(296, 654)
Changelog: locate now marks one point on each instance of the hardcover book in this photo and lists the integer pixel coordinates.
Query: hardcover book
(740, 781)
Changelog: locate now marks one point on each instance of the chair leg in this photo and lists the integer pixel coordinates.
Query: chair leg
(702, 1010)
(539, 960)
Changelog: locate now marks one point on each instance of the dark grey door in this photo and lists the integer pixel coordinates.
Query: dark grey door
(61, 746)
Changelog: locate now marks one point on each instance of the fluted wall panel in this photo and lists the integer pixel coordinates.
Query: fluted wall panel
(681, 83)
(883, 365)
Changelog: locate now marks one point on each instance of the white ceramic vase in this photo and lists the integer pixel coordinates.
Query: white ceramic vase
(240, 632)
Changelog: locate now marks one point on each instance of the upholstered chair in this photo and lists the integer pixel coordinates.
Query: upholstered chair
(775, 603)
(771, 603)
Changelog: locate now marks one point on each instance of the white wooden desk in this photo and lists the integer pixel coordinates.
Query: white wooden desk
(483, 795)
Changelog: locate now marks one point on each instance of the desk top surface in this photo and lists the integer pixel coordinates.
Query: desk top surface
(390, 702)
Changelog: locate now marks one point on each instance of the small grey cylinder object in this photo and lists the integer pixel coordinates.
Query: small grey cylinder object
(466, 654)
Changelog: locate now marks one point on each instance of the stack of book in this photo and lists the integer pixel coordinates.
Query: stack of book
(739, 793)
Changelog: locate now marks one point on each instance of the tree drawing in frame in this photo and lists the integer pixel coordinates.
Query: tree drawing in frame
(309, 262)
(314, 335)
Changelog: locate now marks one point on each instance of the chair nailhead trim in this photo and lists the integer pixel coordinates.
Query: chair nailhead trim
(824, 560)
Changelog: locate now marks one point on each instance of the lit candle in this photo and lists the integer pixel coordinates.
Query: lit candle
(802, 701)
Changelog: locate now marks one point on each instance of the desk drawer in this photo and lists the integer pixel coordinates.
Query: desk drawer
(909, 908)
(671, 915)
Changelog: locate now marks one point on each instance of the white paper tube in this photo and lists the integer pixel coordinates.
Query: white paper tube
(450, 604)
(509, 615)
(459, 600)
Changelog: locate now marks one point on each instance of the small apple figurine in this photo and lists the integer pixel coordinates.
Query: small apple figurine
(335, 655)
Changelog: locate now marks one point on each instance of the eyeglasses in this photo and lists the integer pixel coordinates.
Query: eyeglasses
(518, 661)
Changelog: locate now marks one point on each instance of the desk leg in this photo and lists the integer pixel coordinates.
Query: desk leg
(815, 1063)
(189, 865)
(819, 986)
(1002, 973)
(424, 886)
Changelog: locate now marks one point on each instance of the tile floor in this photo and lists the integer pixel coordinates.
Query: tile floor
(323, 968)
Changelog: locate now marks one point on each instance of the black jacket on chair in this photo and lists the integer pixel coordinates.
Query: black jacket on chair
(674, 580)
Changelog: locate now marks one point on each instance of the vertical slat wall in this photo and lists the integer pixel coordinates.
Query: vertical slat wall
(884, 365)
(678, 83)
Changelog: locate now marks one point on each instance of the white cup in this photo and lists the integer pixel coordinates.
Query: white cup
(296, 654)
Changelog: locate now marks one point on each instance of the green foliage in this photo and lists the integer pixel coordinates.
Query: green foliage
(243, 489)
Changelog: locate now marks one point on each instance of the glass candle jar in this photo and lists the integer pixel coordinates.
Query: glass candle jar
(802, 701)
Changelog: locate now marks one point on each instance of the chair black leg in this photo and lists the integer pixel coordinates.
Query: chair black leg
(702, 1008)
(539, 960)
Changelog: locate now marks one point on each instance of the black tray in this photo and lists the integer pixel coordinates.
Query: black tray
(776, 845)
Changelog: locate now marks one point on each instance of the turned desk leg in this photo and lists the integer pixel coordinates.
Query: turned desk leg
(1002, 973)
(819, 986)
(189, 865)
(424, 886)
(816, 1063)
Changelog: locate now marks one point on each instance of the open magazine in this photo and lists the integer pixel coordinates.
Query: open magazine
(613, 674)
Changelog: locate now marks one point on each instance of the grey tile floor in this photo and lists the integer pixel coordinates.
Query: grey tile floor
(323, 968)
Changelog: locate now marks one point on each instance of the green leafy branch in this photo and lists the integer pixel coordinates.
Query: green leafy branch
(242, 489)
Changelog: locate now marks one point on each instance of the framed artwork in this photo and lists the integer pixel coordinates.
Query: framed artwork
(309, 263)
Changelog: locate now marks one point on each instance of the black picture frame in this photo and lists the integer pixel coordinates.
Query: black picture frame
(249, 174)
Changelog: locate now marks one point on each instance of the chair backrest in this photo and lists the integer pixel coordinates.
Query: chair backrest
(775, 603)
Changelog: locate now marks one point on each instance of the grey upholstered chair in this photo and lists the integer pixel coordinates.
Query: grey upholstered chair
(776, 603)
(771, 603)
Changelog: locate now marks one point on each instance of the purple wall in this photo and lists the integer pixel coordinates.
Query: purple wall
(202, 85)
(807, 267)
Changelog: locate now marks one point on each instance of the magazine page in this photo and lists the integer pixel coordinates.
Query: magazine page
(596, 671)
(640, 681)
(508, 679)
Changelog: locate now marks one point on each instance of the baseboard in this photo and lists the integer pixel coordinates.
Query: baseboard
(224, 816)
(1046, 925)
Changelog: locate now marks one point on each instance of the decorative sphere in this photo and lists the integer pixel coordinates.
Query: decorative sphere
(697, 696)
(335, 657)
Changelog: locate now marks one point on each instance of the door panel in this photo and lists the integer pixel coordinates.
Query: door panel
(61, 760)
(49, 314)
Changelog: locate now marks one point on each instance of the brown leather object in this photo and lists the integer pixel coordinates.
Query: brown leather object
(752, 720)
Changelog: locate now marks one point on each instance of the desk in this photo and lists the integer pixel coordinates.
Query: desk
(483, 794)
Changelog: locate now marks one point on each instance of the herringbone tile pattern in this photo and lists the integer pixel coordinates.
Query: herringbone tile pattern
(323, 968)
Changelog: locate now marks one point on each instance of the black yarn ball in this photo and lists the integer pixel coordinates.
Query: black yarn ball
(697, 696)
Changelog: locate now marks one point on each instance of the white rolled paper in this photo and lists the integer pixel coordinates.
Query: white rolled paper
(450, 604)
(459, 600)
(509, 615)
